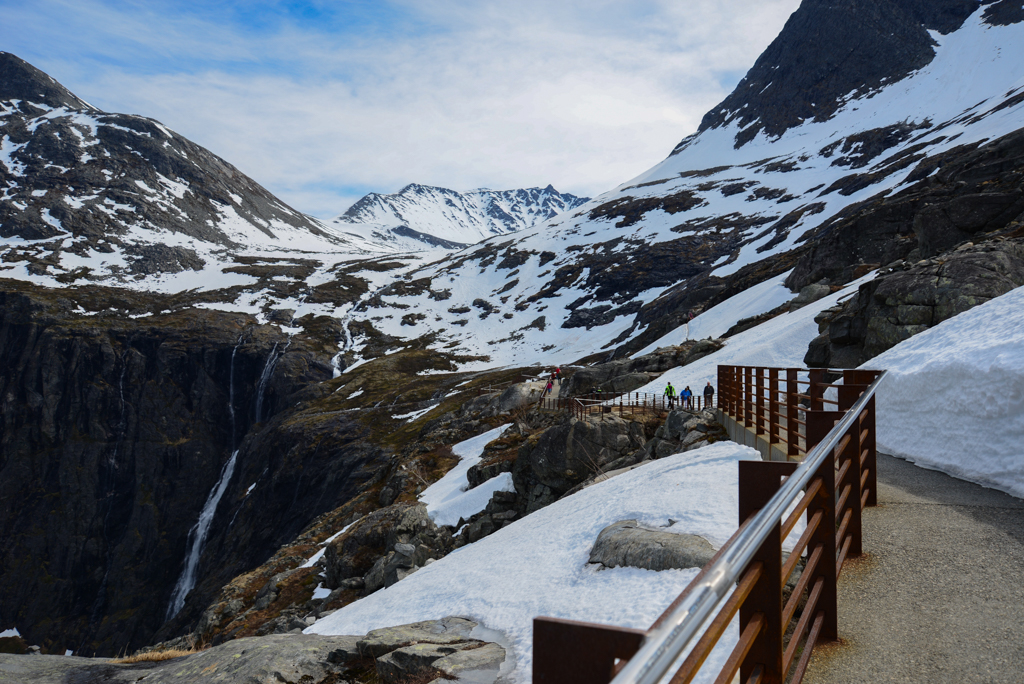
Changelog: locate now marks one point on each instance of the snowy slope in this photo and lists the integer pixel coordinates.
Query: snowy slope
(954, 396)
(538, 565)
(780, 342)
(713, 209)
(420, 215)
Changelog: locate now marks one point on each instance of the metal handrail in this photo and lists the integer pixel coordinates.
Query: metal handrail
(663, 646)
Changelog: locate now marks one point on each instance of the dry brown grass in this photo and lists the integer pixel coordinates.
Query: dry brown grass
(154, 656)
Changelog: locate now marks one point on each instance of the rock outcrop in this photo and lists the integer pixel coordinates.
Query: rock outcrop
(436, 648)
(556, 460)
(626, 375)
(907, 299)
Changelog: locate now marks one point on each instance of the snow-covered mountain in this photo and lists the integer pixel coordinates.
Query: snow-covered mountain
(421, 215)
(864, 135)
(87, 196)
(924, 156)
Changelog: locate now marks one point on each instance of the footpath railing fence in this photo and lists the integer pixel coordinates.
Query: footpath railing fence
(622, 403)
(747, 577)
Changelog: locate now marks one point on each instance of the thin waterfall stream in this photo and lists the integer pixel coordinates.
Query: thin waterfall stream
(197, 535)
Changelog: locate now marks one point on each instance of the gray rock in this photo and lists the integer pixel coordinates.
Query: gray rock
(345, 650)
(519, 394)
(809, 293)
(258, 660)
(478, 665)
(414, 659)
(449, 630)
(625, 543)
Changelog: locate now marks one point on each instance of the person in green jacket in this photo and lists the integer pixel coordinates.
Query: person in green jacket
(670, 392)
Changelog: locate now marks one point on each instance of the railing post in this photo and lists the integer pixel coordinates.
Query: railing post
(579, 652)
(819, 423)
(792, 427)
(868, 453)
(816, 391)
(758, 482)
(773, 408)
(748, 406)
(858, 381)
(758, 401)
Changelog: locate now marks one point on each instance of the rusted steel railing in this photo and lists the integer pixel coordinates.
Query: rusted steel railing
(770, 401)
(621, 403)
(748, 575)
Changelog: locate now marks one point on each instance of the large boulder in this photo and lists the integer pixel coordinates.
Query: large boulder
(385, 546)
(628, 544)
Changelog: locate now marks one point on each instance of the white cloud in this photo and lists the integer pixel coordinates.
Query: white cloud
(582, 96)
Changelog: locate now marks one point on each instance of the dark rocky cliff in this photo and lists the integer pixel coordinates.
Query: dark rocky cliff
(113, 432)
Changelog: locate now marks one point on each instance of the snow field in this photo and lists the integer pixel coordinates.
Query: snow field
(539, 564)
(717, 320)
(450, 498)
(953, 399)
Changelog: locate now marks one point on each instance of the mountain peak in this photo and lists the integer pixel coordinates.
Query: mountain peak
(19, 80)
(829, 50)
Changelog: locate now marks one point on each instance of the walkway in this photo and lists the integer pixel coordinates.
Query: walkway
(939, 597)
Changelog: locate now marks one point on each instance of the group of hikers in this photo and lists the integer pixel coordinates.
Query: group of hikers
(686, 396)
(556, 376)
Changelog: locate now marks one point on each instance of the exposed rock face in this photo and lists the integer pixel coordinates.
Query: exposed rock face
(627, 543)
(442, 648)
(626, 375)
(113, 434)
(908, 299)
(682, 431)
(385, 546)
(828, 50)
(567, 454)
(973, 192)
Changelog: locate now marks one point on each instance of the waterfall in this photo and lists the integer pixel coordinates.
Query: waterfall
(197, 537)
(346, 345)
(231, 392)
(268, 370)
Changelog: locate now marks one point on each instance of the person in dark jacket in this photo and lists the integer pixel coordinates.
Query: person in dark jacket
(709, 395)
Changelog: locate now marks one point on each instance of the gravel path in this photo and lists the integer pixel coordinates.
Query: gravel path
(939, 595)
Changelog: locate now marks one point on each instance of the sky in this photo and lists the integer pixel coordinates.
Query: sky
(323, 102)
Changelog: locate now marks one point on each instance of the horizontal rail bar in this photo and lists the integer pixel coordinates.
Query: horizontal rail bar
(805, 578)
(808, 497)
(703, 648)
(746, 640)
(801, 626)
(805, 657)
(801, 543)
(842, 555)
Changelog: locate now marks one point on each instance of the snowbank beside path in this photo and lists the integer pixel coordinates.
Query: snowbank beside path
(538, 565)
(450, 498)
(954, 396)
